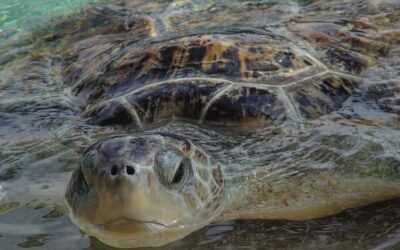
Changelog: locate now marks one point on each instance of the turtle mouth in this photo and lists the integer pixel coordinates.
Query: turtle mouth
(126, 232)
(153, 225)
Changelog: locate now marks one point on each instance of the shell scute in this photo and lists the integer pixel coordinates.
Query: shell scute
(110, 113)
(183, 99)
(246, 106)
(322, 95)
(386, 96)
(348, 61)
(343, 46)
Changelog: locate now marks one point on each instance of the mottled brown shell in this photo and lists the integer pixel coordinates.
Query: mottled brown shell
(164, 69)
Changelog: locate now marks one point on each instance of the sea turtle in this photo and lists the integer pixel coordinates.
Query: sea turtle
(288, 81)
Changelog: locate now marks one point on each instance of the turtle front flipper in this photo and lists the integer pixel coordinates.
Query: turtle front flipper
(313, 195)
(305, 173)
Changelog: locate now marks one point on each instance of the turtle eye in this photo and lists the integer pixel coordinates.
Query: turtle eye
(171, 167)
(80, 186)
(179, 173)
(88, 165)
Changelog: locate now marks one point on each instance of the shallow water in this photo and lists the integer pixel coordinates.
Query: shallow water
(42, 135)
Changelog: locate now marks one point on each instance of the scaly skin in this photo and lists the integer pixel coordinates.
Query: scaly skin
(151, 206)
(127, 207)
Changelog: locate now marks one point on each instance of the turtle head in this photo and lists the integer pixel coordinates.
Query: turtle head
(148, 190)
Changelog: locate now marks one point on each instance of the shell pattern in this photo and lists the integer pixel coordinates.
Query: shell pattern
(231, 76)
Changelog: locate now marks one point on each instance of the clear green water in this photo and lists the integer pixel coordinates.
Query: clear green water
(37, 157)
(15, 14)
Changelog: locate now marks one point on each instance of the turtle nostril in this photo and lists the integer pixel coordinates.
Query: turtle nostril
(130, 170)
(114, 170)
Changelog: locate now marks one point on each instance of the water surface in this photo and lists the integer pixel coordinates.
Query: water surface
(42, 136)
